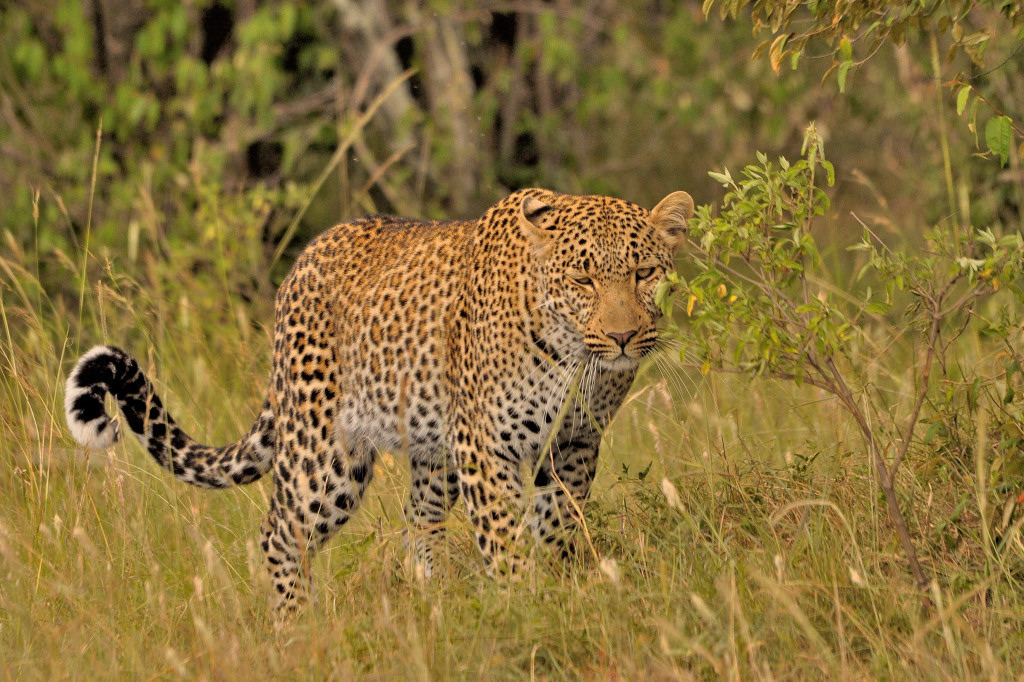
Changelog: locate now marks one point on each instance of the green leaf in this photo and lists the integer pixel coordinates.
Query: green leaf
(846, 49)
(972, 120)
(972, 394)
(843, 69)
(877, 308)
(830, 172)
(961, 99)
(662, 297)
(723, 178)
(997, 136)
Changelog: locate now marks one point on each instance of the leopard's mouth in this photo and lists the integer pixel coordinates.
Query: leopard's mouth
(619, 361)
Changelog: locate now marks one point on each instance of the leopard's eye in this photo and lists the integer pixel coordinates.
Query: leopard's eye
(644, 273)
(582, 280)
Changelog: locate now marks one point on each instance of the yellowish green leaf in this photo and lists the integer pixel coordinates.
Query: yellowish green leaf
(961, 99)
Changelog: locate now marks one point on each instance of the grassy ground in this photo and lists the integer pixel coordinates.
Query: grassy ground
(768, 555)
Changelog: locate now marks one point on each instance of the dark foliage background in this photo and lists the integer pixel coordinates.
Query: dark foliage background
(217, 117)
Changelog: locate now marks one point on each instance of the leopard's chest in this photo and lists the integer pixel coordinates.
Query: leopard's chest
(574, 396)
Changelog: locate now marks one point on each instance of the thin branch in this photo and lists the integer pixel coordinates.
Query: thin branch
(933, 336)
(771, 374)
(886, 476)
(963, 301)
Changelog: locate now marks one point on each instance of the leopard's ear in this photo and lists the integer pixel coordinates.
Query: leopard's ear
(537, 219)
(671, 217)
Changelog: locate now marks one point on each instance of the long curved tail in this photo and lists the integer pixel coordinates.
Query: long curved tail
(106, 369)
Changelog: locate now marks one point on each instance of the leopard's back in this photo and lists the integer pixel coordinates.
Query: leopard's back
(387, 285)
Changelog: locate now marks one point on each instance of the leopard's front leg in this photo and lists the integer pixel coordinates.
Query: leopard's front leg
(434, 489)
(562, 484)
(492, 488)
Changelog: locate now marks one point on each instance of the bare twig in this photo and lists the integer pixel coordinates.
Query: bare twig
(886, 475)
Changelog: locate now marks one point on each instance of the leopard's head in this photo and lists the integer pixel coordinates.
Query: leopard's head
(598, 262)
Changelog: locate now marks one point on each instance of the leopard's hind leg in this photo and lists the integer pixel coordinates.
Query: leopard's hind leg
(310, 504)
(319, 475)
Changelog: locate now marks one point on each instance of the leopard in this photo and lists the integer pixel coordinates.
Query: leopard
(492, 353)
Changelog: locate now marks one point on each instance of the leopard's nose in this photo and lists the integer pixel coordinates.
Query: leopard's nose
(621, 338)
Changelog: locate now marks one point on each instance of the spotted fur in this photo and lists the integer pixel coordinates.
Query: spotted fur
(456, 343)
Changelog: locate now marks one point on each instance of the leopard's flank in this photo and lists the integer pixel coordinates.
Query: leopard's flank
(455, 343)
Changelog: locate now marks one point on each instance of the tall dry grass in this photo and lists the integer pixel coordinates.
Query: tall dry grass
(737, 529)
